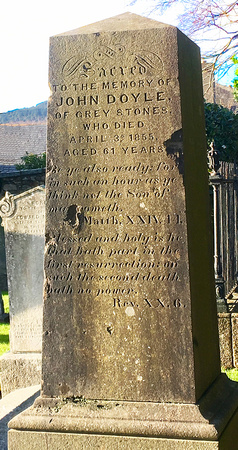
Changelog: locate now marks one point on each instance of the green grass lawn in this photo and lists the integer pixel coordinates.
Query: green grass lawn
(4, 338)
(4, 328)
(231, 373)
(5, 301)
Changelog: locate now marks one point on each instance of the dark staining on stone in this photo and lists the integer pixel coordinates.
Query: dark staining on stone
(47, 333)
(81, 401)
(174, 149)
(47, 238)
(71, 216)
(75, 217)
(64, 389)
(195, 342)
(110, 329)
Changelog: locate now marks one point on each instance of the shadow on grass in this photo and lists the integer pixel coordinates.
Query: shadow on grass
(4, 339)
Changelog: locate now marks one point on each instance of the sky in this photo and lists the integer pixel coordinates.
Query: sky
(25, 28)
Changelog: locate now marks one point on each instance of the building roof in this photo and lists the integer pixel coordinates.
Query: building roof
(16, 140)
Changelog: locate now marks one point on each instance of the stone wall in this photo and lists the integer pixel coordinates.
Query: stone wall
(18, 181)
(215, 92)
(224, 96)
(228, 337)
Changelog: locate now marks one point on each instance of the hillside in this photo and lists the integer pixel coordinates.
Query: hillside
(34, 114)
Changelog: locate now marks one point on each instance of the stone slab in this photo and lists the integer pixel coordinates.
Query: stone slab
(205, 420)
(23, 221)
(225, 339)
(234, 324)
(19, 371)
(68, 441)
(3, 269)
(214, 419)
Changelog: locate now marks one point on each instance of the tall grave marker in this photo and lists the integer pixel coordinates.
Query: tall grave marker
(130, 328)
(23, 219)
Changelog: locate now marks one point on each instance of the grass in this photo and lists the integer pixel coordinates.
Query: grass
(4, 327)
(5, 301)
(4, 338)
(231, 373)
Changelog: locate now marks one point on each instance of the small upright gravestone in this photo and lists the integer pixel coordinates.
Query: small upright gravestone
(130, 340)
(23, 219)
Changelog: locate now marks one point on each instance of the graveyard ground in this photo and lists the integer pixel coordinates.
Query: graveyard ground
(4, 328)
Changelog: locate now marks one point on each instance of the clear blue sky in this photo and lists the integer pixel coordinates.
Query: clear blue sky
(25, 28)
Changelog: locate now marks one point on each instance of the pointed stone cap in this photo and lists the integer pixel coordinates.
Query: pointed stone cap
(126, 21)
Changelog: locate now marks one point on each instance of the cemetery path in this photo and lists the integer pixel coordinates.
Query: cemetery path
(11, 405)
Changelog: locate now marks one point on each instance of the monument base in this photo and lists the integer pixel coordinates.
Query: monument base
(79, 423)
(61, 441)
(19, 370)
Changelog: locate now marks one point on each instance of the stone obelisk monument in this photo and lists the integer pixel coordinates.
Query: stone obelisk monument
(130, 340)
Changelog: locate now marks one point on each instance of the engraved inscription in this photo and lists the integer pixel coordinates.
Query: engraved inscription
(119, 233)
(82, 66)
(24, 214)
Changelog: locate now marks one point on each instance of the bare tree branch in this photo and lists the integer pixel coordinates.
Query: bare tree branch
(199, 18)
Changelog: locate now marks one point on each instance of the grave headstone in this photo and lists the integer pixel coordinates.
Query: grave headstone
(23, 219)
(130, 338)
(3, 270)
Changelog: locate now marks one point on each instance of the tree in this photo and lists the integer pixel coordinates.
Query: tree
(32, 161)
(207, 20)
(222, 128)
(235, 81)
